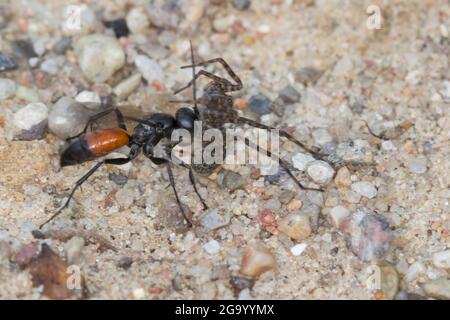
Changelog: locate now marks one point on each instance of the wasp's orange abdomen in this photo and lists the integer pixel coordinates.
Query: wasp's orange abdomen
(103, 141)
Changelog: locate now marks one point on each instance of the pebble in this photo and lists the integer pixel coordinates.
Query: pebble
(73, 249)
(119, 27)
(117, 178)
(364, 188)
(30, 122)
(232, 180)
(322, 136)
(139, 293)
(150, 69)
(88, 97)
(298, 249)
(343, 66)
(125, 197)
(368, 235)
(124, 262)
(212, 247)
(137, 20)
(53, 65)
(124, 88)
(308, 75)
(257, 259)
(242, 4)
(7, 89)
(163, 14)
(99, 56)
(390, 280)
(289, 95)
(286, 196)
(301, 160)
(27, 94)
(438, 288)
(61, 46)
(212, 220)
(417, 165)
(337, 215)
(343, 178)
(7, 63)
(260, 104)
(414, 270)
(357, 151)
(297, 226)
(241, 283)
(387, 145)
(67, 118)
(320, 171)
(352, 196)
(26, 253)
(441, 259)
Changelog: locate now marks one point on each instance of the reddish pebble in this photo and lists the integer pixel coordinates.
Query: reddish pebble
(27, 253)
(267, 219)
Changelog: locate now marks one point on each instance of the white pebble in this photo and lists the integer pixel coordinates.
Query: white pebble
(52, 65)
(212, 247)
(320, 171)
(298, 249)
(338, 214)
(138, 293)
(137, 20)
(150, 69)
(343, 66)
(124, 88)
(27, 94)
(7, 89)
(301, 160)
(87, 97)
(30, 115)
(387, 145)
(414, 270)
(364, 188)
(417, 165)
(99, 56)
(442, 259)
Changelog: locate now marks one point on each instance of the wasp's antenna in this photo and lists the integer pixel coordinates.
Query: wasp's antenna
(194, 88)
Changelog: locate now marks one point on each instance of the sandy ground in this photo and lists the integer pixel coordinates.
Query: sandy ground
(395, 73)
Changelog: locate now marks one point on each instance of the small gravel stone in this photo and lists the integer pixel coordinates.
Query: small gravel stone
(26, 253)
(441, 259)
(211, 220)
(212, 247)
(298, 249)
(364, 188)
(27, 94)
(126, 87)
(286, 196)
(53, 65)
(62, 45)
(418, 165)
(357, 151)
(73, 249)
(296, 226)
(125, 262)
(387, 145)
(260, 104)
(139, 293)
(30, 122)
(368, 235)
(137, 20)
(117, 178)
(414, 270)
(68, 117)
(343, 178)
(289, 95)
(7, 89)
(438, 288)
(320, 171)
(5, 251)
(7, 63)
(301, 160)
(88, 97)
(241, 283)
(233, 180)
(119, 27)
(308, 75)
(322, 136)
(99, 56)
(150, 69)
(125, 197)
(257, 259)
(343, 66)
(164, 14)
(242, 4)
(390, 280)
(337, 215)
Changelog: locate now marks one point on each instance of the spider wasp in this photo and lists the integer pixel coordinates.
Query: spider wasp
(214, 109)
